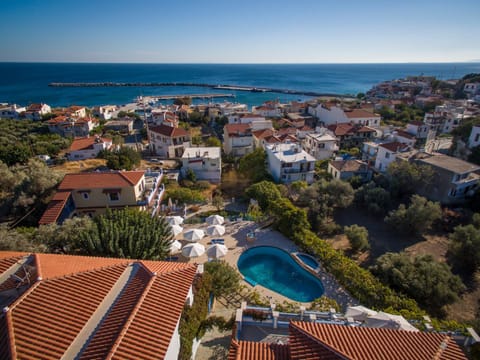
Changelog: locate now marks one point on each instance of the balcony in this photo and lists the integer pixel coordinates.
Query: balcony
(470, 179)
(153, 181)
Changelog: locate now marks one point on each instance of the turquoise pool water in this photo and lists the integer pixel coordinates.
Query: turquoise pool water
(275, 269)
(308, 261)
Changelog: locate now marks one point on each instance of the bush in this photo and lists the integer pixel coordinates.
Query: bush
(374, 198)
(125, 158)
(358, 237)
(225, 279)
(429, 282)
(464, 247)
(184, 195)
(417, 217)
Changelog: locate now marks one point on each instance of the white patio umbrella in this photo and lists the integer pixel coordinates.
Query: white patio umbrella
(176, 229)
(359, 312)
(216, 251)
(193, 235)
(193, 250)
(389, 321)
(215, 220)
(175, 246)
(216, 230)
(174, 220)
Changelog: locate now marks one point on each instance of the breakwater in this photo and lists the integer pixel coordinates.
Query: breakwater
(189, 84)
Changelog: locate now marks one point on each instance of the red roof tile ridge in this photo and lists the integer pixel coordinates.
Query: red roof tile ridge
(132, 315)
(303, 331)
(442, 347)
(125, 176)
(10, 334)
(179, 267)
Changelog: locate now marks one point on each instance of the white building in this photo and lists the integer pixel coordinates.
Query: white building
(88, 147)
(332, 114)
(472, 88)
(418, 129)
(474, 139)
(36, 111)
(404, 137)
(237, 139)
(205, 162)
(244, 118)
(387, 153)
(167, 141)
(11, 111)
(321, 144)
(288, 163)
(267, 111)
(105, 112)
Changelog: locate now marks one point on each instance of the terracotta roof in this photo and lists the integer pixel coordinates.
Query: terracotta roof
(349, 165)
(394, 146)
(287, 130)
(360, 113)
(250, 350)
(101, 180)
(341, 129)
(169, 131)
(405, 134)
(35, 107)
(316, 341)
(60, 313)
(54, 208)
(86, 143)
(260, 134)
(57, 120)
(235, 129)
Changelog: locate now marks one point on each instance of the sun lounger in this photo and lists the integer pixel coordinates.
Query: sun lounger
(218, 241)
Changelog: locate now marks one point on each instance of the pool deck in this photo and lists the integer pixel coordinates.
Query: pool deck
(235, 240)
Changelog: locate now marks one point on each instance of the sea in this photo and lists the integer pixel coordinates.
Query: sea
(26, 83)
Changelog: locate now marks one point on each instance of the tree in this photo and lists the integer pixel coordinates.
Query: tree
(358, 237)
(431, 283)
(184, 195)
(372, 197)
(225, 279)
(265, 192)
(253, 165)
(217, 201)
(12, 240)
(213, 142)
(124, 158)
(407, 178)
(128, 233)
(417, 217)
(190, 175)
(464, 246)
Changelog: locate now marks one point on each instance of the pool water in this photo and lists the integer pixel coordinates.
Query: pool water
(307, 260)
(276, 270)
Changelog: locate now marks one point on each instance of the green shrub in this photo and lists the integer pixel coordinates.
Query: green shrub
(358, 237)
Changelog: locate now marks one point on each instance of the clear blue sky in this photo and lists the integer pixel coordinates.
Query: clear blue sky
(240, 31)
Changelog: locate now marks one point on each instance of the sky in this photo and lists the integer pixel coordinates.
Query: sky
(240, 31)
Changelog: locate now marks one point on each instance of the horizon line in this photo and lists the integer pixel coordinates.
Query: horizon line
(242, 63)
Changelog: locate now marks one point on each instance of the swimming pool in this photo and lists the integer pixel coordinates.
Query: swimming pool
(308, 260)
(276, 270)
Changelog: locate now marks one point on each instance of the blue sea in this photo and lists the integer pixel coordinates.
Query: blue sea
(25, 83)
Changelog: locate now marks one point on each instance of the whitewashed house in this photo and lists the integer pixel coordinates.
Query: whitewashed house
(168, 141)
(330, 114)
(474, 139)
(87, 147)
(418, 129)
(11, 111)
(321, 144)
(205, 162)
(36, 111)
(289, 162)
(237, 139)
(387, 153)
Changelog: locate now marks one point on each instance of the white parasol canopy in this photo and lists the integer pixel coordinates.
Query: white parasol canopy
(215, 220)
(193, 234)
(176, 229)
(175, 246)
(216, 230)
(193, 250)
(389, 321)
(216, 251)
(359, 313)
(174, 220)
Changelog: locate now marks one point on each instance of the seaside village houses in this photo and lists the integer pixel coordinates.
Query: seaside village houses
(78, 307)
(92, 193)
(289, 162)
(205, 162)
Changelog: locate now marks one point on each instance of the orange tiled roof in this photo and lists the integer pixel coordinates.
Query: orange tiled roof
(260, 134)
(86, 143)
(405, 134)
(394, 146)
(100, 180)
(360, 113)
(54, 208)
(52, 316)
(250, 350)
(169, 131)
(234, 129)
(314, 340)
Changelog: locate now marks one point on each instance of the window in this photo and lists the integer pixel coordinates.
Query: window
(387, 155)
(85, 195)
(477, 137)
(114, 196)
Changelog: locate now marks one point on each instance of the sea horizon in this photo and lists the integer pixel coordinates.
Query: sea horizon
(27, 82)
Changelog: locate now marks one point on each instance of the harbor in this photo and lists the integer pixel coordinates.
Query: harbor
(203, 85)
